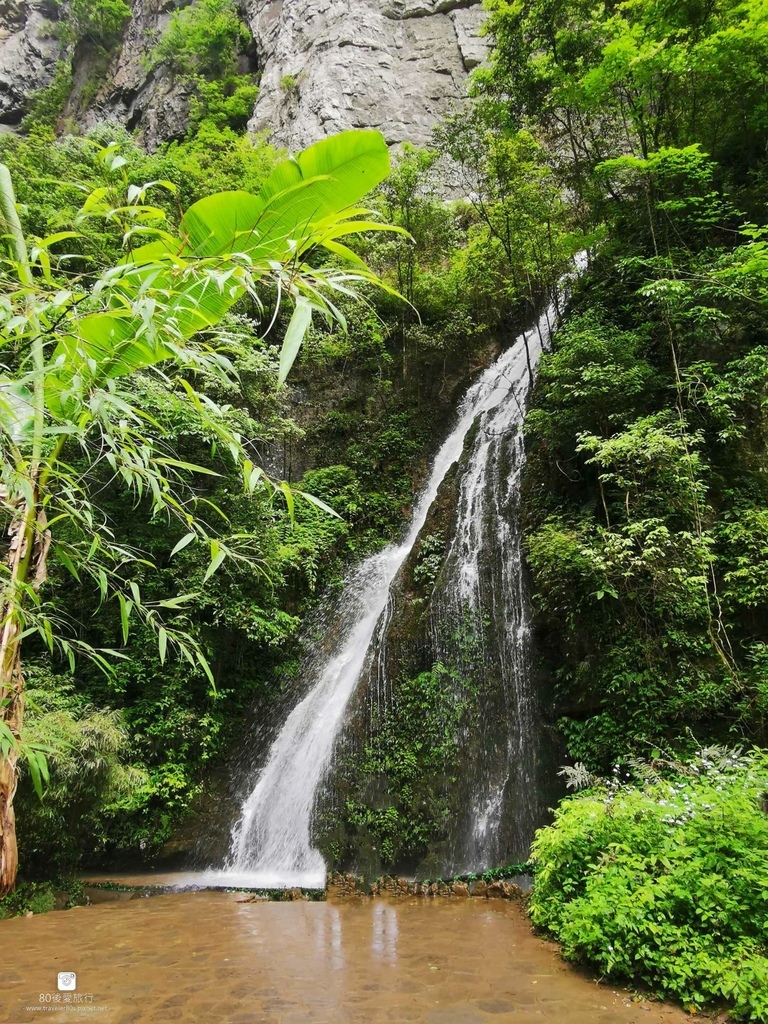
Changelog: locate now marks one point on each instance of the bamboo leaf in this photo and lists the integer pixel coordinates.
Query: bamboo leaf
(162, 643)
(216, 561)
(297, 328)
(319, 503)
(177, 602)
(67, 562)
(125, 611)
(185, 540)
(34, 772)
(203, 663)
(285, 487)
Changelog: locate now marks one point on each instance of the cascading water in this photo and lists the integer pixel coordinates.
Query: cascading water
(272, 840)
(481, 626)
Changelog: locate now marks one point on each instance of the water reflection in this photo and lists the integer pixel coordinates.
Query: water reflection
(208, 956)
(384, 932)
(329, 947)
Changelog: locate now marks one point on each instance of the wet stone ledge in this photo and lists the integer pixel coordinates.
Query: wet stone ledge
(500, 883)
(349, 886)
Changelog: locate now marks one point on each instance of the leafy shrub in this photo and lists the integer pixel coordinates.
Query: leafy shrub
(203, 44)
(431, 557)
(98, 21)
(664, 881)
(89, 753)
(203, 38)
(222, 105)
(46, 104)
(40, 897)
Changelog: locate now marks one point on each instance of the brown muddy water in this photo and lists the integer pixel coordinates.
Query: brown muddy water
(206, 957)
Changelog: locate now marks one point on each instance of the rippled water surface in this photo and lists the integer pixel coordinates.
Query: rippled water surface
(206, 957)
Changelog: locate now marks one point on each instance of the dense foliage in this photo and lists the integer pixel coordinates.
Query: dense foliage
(645, 489)
(399, 790)
(145, 741)
(663, 879)
(204, 45)
(645, 486)
(637, 131)
(89, 419)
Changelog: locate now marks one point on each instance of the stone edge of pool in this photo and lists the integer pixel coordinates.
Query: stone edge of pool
(338, 886)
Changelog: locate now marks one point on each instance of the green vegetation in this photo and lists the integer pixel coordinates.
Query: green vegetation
(41, 897)
(89, 31)
(645, 484)
(98, 22)
(377, 402)
(645, 487)
(662, 879)
(203, 45)
(202, 38)
(414, 751)
(94, 365)
(46, 105)
(635, 130)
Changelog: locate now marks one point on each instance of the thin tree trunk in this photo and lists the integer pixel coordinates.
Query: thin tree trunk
(29, 540)
(12, 699)
(13, 715)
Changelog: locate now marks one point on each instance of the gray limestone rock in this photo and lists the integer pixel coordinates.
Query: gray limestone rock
(29, 50)
(467, 21)
(327, 65)
(155, 103)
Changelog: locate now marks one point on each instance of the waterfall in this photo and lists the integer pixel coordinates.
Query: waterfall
(481, 626)
(271, 844)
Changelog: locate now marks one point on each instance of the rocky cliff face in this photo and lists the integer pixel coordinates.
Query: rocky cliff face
(29, 49)
(395, 65)
(155, 103)
(324, 65)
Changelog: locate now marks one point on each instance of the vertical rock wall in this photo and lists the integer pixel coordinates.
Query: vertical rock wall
(153, 102)
(395, 65)
(324, 65)
(29, 49)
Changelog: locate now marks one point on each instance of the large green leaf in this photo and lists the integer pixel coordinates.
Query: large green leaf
(170, 289)
(221, 224)
(323, 181)
(353, 162)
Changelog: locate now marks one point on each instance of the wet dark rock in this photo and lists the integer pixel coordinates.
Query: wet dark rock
(29, 49)
(495, 1006)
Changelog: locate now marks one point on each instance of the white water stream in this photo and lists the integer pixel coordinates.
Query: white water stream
(481, 597)
(271, 843)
